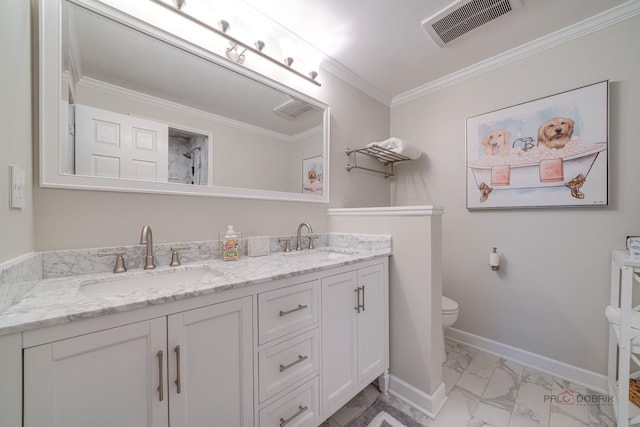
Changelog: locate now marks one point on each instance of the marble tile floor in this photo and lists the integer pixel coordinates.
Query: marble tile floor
(485, 390)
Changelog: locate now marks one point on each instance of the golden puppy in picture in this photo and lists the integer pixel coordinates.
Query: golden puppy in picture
(555, 133)
(496, 143)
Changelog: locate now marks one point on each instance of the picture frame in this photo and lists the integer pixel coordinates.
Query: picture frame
(548, 152)
(313, 175)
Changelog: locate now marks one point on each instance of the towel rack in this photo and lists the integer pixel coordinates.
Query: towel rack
(387, 157)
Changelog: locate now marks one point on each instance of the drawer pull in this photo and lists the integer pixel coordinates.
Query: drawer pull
(160, 382)
(300, 359)
(300, 307)
(301, 409)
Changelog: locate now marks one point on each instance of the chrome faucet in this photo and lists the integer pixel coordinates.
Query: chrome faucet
(146, 238)
(298, 240)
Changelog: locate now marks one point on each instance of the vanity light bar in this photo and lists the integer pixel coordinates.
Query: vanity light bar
(237, 42)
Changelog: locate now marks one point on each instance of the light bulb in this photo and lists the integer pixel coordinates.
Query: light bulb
(260, 29)
(223, 13)
(288, 47)
(311, 61)
(240, 29)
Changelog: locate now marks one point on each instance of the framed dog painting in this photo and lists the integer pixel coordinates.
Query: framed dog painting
(550, 152)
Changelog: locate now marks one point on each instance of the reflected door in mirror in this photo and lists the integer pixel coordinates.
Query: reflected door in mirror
(113, 145)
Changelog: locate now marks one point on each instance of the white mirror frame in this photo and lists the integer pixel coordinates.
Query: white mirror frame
(50, 123)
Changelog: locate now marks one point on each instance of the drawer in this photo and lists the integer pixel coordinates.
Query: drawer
(285, 310)
(298, 408)
(282, 365)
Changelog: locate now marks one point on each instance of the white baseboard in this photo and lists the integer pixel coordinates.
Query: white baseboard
(591, 380)
(428, 404)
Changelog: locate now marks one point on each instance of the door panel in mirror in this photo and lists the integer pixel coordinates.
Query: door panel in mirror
(113, 145)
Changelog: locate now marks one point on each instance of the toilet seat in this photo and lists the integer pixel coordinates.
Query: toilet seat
(449, 306)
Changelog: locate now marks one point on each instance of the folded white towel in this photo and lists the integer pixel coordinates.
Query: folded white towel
(399, 146)
(613, 315)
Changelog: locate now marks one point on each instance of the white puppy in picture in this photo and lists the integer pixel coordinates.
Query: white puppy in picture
(496, 143)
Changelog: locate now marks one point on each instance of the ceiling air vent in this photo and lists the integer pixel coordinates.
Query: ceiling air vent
(465, 15)
(293, 108)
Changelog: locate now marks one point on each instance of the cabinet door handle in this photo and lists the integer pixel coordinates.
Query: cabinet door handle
(300, 307)
(160, 385)
(301, 358)
(359, 307)
(300, 410)
(178, 385)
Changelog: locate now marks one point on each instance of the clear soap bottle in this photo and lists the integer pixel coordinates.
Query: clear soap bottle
(230, 244)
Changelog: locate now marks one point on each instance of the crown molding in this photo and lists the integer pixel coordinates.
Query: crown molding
(605, 19)
(337, 69)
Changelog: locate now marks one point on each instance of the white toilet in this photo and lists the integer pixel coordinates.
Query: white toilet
(449, 317)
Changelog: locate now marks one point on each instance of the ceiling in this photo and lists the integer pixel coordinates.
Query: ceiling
(381, 46)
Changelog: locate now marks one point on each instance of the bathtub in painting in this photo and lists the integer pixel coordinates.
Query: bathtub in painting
(536, 168)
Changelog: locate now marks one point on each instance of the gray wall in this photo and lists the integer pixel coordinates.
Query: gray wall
(16, 226)
(550, 294)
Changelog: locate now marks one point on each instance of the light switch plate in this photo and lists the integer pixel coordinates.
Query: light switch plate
(17, 184)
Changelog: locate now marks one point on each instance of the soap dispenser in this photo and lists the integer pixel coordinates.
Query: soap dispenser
(230, 244)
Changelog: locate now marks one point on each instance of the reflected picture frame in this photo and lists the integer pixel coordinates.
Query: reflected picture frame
(313, 175)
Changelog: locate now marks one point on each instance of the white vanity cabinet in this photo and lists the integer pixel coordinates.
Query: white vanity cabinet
(129, 375)
(355, 332)
(284, 352)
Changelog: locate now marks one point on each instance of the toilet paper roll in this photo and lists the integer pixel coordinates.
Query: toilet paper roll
(494, 259)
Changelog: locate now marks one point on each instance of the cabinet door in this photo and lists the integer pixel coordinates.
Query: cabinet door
(215, 366)
(339, 339)
(104, 379)
(372, 324)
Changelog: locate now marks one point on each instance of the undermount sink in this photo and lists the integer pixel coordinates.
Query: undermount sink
(320, 254)
(148, 280)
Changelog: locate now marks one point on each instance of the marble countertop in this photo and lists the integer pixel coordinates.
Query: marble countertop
(61, 300)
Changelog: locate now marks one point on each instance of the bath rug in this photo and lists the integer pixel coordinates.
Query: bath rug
(382, 414)
(385, 420)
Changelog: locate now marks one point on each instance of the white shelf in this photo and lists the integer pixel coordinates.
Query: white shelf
(624, 342)
(621, 257)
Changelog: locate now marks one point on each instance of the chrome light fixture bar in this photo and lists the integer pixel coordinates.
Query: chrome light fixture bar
(235, 43)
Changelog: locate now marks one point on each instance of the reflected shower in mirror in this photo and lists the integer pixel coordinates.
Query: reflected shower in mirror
(186, 153)
(140, 105)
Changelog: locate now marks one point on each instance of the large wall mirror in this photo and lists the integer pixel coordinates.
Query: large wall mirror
(128, 106)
